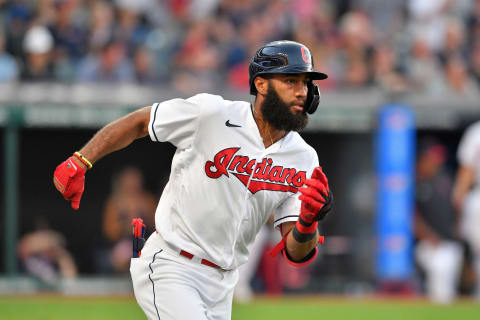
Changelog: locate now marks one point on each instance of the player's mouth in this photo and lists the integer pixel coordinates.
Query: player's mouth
(297, 107)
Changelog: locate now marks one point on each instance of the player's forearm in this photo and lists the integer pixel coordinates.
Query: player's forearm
(117, 135)
(299, 250)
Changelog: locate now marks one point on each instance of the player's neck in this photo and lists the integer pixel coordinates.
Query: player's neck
(269, 134)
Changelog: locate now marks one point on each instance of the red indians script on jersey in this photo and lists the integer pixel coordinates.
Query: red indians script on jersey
(266, 175)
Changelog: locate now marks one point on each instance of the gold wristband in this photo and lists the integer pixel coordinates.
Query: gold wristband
(84, 160)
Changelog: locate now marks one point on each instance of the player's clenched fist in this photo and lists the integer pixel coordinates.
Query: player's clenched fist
(317, 201)
(69, 179)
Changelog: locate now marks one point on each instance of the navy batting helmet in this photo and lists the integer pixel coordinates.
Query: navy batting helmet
(286, 57)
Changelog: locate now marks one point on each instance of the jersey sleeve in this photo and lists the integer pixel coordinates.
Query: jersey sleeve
(175, 121)
(469, 149)
(289, 210)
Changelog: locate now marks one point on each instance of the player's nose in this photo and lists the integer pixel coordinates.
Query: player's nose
(301, 91)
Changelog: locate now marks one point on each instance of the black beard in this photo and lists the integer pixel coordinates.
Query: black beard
(277, 113)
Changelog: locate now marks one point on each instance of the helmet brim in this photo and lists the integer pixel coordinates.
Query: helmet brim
(313, 74)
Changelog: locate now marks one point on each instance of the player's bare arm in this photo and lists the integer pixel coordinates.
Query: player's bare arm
(117, 135)
(69, 176)
(297, 250)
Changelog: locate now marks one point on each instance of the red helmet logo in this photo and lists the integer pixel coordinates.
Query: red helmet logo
(306, 55)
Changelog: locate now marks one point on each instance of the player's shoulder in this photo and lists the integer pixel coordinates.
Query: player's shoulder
(206, 99)
(212, 103)
(299, 150)
(296, 141)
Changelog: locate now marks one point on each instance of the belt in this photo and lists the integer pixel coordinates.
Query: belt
(190, 256)
(187, 254)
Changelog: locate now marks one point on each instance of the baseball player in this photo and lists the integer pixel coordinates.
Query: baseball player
(235, 163)
(466, 193)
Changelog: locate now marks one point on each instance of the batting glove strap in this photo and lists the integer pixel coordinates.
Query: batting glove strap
(304, 227)
(304, 237)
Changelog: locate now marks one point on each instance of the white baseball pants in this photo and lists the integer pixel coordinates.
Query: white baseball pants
(169, 286)
(442, 264)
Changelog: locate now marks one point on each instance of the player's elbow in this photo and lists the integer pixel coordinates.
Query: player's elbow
(142, 119)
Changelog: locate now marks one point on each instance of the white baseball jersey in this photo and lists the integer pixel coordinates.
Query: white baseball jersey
(468, 153)
(224, 183)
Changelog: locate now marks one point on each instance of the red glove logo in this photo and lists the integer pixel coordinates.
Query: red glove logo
(69, 179)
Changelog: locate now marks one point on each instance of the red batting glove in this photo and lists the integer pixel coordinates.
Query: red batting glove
(317, 201)
(69, 179)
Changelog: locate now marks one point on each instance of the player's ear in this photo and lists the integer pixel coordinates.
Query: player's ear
(261, 84)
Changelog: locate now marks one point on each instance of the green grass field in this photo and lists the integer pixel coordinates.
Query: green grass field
(53, 307)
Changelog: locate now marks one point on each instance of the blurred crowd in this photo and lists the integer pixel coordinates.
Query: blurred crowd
(426, 46)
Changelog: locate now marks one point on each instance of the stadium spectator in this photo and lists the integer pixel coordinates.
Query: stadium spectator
(144, 66)
(201, 9)
(457, 81)
(355, 51)
(43, 254)
(454, 41)
(197, 60)
(428, 17)
(128, 200)
(438, 251)
(69, 36)
(129, 29)
(385, 70)
(387, 17)
(473, 23)
(475, 63)
(110, 65)
(101, 25)
(38, 45)
(423, 67)
(16, 21)
(8, 65)
(252, 35)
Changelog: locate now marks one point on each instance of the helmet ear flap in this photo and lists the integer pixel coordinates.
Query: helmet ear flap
(313, 98)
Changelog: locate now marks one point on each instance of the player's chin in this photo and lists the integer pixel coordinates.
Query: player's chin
(299, 113)
(299, 122)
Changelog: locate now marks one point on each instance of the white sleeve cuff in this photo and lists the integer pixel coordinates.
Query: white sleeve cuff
(279, 221)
